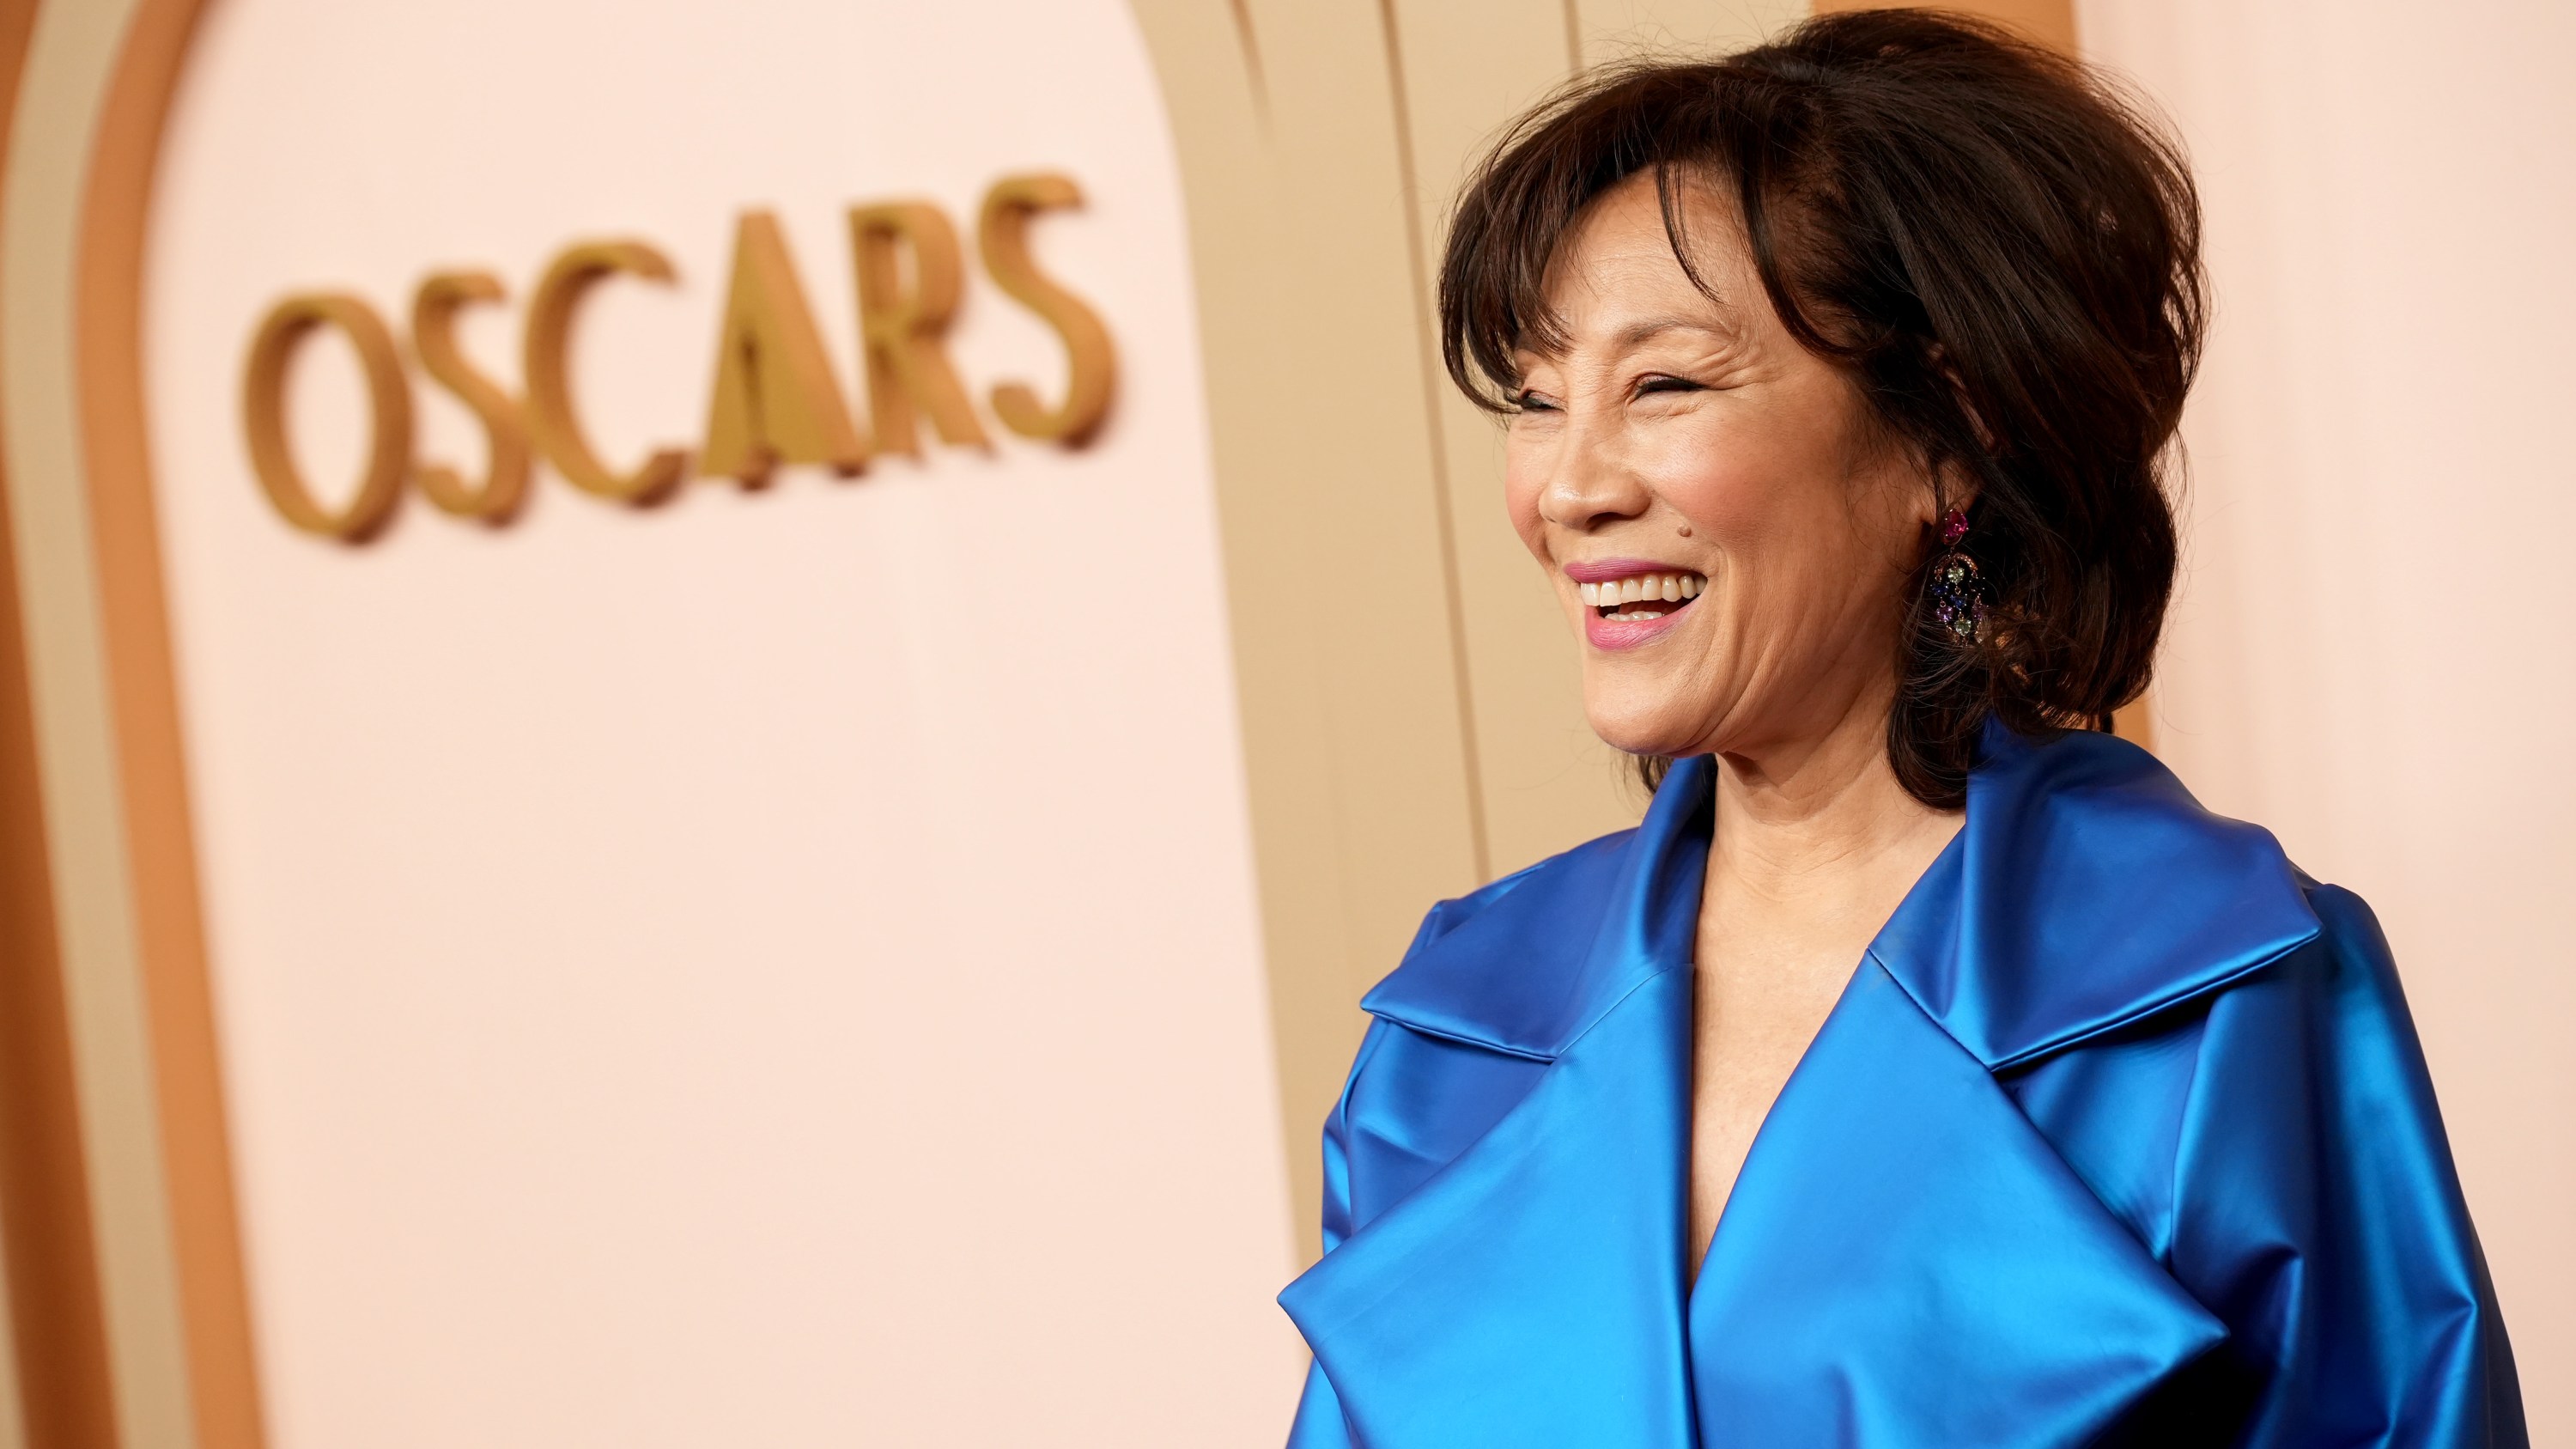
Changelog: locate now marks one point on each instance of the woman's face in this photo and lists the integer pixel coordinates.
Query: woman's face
(1726, 529)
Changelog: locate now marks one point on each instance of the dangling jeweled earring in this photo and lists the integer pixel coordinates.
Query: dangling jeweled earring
(1957, 590)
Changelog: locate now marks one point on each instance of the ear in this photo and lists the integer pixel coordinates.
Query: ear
(1952, 485)
(1917, 490)
(1932, 489)
(1956, 485)
(1959, 390)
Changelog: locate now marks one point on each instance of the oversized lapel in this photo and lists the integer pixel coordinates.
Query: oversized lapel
(1905, 1260)
(1531, 1292)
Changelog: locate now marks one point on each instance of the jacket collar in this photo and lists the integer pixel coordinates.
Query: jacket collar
(2087, 889)
(1532, 1290)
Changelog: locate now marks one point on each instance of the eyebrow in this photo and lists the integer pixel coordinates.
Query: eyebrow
(1648, 329)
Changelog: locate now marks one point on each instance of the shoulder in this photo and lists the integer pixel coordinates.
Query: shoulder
(2087, 890)
(2332, 1014)
(2351, 949)
(1527, 964)
(2196, 1120)
(1511, 967)
(1494, 983)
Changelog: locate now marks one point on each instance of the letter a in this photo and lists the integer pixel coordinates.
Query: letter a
(775, 399)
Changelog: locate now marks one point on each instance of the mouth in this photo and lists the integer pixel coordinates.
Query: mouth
(1633, 600)
(1638, 598)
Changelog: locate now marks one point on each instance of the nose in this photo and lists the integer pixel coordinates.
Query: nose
(1589, 484)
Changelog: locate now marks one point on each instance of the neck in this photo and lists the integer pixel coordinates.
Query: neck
(1822, 820)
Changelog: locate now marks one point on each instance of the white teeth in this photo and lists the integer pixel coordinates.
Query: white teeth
(1641, 588)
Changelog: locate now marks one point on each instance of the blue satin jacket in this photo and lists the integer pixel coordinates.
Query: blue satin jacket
(2119, 1135)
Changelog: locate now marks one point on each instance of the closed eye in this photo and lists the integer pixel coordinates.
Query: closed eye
(1663, 382)
(1533, 402)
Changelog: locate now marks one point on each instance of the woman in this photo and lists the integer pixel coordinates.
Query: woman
(1838, 376)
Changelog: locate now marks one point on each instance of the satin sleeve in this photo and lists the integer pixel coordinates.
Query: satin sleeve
(2318, 1214)
(1319, 1423)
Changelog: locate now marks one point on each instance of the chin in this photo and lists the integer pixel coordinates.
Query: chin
(1643, 728)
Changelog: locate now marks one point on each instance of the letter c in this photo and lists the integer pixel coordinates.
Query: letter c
(557, 432)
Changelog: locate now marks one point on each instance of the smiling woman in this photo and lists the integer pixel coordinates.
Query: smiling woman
(1929, 1068)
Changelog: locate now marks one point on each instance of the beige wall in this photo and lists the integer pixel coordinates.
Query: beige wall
(2371, 653)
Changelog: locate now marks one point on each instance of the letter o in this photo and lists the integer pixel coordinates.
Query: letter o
(272, 348)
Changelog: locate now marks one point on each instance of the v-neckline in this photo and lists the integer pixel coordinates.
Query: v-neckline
(1936, 889)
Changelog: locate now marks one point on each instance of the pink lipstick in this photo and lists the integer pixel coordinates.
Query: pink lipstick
(1631, 601)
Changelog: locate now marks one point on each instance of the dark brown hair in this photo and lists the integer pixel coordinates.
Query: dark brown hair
(2000, 247)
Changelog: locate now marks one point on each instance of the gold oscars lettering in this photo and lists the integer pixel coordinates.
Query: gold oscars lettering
(773, 399)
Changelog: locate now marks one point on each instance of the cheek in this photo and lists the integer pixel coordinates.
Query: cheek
(1753, 482)
(1732, 497)
(1523, 482)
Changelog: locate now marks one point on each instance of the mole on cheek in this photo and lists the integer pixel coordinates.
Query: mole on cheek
(1686, 530)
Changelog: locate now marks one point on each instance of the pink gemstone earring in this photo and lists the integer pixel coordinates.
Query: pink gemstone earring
(1956, 590)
